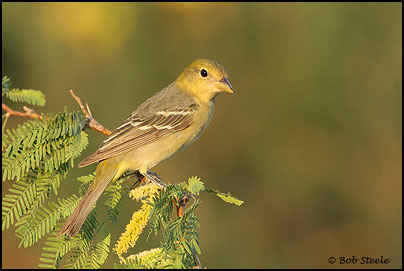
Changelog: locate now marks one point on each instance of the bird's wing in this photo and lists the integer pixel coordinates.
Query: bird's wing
(158, 117)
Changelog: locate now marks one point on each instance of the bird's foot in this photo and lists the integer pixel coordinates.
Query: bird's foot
(154, 178)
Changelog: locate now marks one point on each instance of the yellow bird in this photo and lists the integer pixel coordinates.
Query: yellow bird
(163, 125)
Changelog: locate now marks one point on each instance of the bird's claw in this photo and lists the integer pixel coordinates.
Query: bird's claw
(155, 178)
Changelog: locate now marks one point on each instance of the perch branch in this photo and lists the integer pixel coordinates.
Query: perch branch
(30, 113)
(92, 123)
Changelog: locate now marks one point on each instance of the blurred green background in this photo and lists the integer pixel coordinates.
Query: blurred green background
(311, 139)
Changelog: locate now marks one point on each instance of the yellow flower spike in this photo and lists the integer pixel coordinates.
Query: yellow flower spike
(143, 191)
(139, 219)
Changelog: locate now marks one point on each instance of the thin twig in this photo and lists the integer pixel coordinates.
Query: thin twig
(93, 124)
(30, 113)
(181, 205)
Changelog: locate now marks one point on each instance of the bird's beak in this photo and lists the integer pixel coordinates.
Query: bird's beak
(226, 86)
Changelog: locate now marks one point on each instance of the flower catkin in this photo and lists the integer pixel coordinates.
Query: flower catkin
(139, 218)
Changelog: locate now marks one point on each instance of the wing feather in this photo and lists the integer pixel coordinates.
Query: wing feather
(138, 131)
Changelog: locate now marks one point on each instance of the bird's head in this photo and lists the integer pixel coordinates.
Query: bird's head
(204, 79)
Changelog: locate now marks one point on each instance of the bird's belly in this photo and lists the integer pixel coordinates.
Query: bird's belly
(150, 155)
(164, 149)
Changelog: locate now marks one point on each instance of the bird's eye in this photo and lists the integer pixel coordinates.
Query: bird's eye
(204, 73)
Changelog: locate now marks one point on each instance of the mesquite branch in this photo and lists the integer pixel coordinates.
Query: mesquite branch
(30, 113)
(92, 123)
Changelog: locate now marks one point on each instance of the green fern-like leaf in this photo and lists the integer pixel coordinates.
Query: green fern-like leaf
(183, 230)
(114, 193)
(78, 144)
(18, 201)
(90, 225)
(195, 185)
(99, 252)
(86, 179)
(28, 194)
(30, 96)
(114, 213)
(86, 182)
(5, 83)
(79, 257)
(162, 207)
(55, 248)
(34, 226)
(130, 263)
(180, 234)
(151, 259)
(50, 181)
(47, 144)
(227, 197)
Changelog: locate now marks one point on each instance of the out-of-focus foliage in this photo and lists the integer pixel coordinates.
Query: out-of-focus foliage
(311, 139)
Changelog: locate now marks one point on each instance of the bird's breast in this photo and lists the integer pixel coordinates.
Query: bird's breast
(202, 119)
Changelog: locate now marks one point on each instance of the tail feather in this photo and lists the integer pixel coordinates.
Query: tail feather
(75, 221)
(89, 160)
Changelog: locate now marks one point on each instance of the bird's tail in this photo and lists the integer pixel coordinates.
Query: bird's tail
(104, 175)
